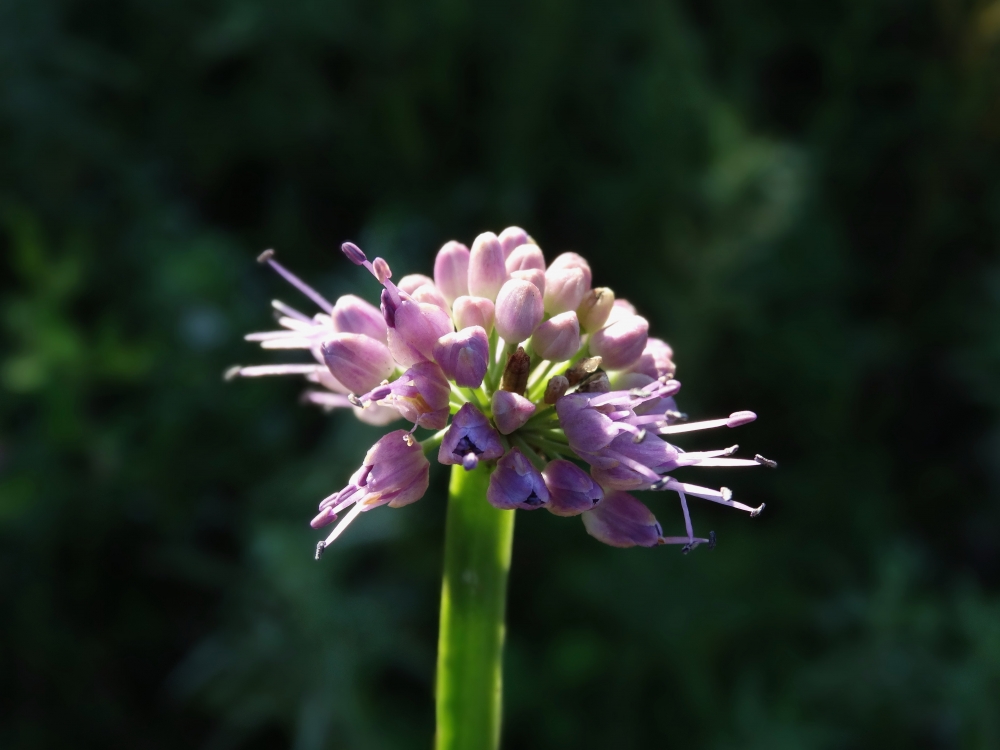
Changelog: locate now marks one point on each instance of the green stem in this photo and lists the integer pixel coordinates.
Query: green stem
(477, 547)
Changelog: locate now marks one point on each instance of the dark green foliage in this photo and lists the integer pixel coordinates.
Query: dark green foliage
(803, 198)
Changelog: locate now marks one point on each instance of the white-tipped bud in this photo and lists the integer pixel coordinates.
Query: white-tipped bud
(512, 238)
(487, 267)
(558, 338)
(564, 288)
(535, 275)
(451, 270)
(413, 281)
(525, 257)
(595, 309)
(518, 310)
(473, 311)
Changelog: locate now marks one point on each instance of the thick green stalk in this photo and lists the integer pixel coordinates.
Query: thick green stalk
(478, 540)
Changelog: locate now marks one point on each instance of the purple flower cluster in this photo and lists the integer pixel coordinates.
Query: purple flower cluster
(515, 363)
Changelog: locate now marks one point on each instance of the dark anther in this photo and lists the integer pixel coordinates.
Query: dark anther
(265, 256)
(765, 462)
(466, 446)
(659, 484)
(582, 369)
(319, 549)
(688, 547)
(731, 450)
(595, 383)
(756, 511)
(515, 374)
(711, 540)
(533, 500)
(355, 401)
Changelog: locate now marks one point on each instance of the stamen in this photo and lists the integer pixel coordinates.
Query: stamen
(232, 372)
(757, 511)
(582, 369)
(355, 401)
(711, 540)
(257, 371)
(639, 436)
(320, 546)
(342, 526)
(730, 450)
(765, 462)
(326, 400)
(268, 257)
(353, 253)
(291, 312)
(687, 516)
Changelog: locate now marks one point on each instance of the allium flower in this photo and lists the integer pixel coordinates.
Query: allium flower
(554, 385)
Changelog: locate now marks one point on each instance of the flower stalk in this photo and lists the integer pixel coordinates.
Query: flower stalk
(478, 540)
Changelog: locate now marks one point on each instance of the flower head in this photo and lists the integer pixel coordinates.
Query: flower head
(552, 385)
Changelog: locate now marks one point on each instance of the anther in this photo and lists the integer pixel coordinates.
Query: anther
(409, 439)
(765, 462)
(265, 256)
(595, 383)
(731, 450)
(319, 549)
(711, 540)
(583, 368)
(639, 436)
(727, 494)
(232, 372)
(688, 547)
(678, 416)
(355, 401)
(756, 511)
(638, 393)
(353, 253)
(659, 484)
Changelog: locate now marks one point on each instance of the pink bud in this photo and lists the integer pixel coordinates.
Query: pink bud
(430, 294)
(621, 309)
(511, 238)
(352, 314)
(511, 411)
(535, 275)
(572, 260)
(487, 269)
(518, 310)
(451, 270)
(413, 281)
(464, 356)
(571, 490)
(595, 309)
(358, 361)
(525, 257)
(473, 311)
(620, 344)
(564, 288)
(558, 338)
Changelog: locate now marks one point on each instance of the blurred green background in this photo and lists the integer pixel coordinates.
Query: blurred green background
(803, 198)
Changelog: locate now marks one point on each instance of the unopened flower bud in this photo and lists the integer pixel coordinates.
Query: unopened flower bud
(556, 388)
(518, 310)
(595, 309)
(516, 483)
(620, 310)
(572, 260)
(430, 294)
(352, 314)
(510, 411)
(470, 439)
(656, 360)
(558, 338)
(413, 281)
(622, 521)
(451, 270)
(487, 267)
(414, 329)
(359, 362)
(535, 275)
(512, 238)
(564, 288)
(464, 356)
(473, 311)
(525, 257)
(571, 490)
(620, 344)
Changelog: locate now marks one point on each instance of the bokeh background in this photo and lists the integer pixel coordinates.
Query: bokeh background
(803, 198)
